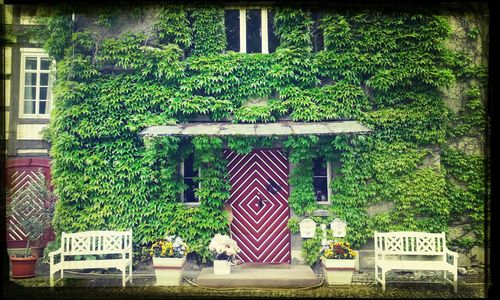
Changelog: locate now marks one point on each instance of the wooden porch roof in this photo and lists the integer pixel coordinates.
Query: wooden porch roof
(259, 129)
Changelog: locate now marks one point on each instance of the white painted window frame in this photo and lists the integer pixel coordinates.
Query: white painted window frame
(328, 180)
(39, 53)
(263, 28)
(183, 196)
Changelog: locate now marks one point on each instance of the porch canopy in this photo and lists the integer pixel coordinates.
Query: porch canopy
(259, 129)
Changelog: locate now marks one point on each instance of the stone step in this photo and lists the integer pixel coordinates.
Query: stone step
(260, 276)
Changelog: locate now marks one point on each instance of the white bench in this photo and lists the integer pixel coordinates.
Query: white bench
(94, 243)
(414, 251)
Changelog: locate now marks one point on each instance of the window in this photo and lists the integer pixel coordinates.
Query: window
(250, 30)
(189, 173)
(36, 81)
(321, 180)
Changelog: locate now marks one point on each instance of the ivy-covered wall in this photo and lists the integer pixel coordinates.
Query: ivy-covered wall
(122, 71)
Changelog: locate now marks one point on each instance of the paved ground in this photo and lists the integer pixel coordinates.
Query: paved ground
(93, 285)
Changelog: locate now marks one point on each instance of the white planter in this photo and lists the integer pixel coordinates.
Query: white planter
(168, 270)
(339, 271)
(222, 267)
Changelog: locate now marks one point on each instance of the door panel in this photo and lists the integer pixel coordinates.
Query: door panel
(259, 201)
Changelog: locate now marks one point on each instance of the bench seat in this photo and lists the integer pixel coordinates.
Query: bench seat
(389, 265)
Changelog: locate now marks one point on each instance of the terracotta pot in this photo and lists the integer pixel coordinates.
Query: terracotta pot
(37, 251)
(23, 267)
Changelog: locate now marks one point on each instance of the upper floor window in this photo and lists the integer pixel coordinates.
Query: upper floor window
(321, 180)
(35, 87)
(250, 30)
(189, 173)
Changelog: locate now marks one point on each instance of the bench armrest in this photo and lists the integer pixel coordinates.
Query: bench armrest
(450, 254)
(53, 253)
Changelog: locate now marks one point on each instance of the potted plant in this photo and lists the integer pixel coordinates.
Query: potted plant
(339, 260)
(169, 257)
(224, 249)
(34, 225)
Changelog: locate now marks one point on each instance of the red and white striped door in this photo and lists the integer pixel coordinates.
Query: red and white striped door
(259, 202)
(21, 172)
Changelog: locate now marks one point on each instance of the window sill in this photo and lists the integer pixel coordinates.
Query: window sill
(323, 202)
(192, 203)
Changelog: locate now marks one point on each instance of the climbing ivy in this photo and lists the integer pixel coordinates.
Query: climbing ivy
(384, 69)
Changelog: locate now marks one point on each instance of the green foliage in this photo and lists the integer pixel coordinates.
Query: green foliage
(172, 26)
(382, 69)
(209, 33)
(293, 225)
(311, 248)
(467, 188)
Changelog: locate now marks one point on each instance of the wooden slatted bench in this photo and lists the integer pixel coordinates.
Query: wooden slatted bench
(414, 251)
(99, 243)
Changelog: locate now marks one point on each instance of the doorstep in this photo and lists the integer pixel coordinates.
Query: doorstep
(292, 276)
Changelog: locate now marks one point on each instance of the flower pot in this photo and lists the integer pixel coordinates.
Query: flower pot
(23, 267)
(37, 251)
(339, 271)
(222, 267)
(168, 270)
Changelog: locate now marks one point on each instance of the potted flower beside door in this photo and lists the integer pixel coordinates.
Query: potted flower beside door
(339, 260)
(169, 257)
(224, 249)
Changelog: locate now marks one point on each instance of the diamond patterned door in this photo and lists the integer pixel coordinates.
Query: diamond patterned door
(259, 201)
(19, 173)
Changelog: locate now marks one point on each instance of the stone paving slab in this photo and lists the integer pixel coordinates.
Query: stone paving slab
(243, 276)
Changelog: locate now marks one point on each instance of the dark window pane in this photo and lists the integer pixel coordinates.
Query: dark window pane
(317, 33)
(189, 195)
(29, 107)
(43, 107)
(189, 170)
(319, 167)
(43, 93)
(31, 63)
(273, 39)
(321, 188)
(30, 93)
(232, 21)
(44, 79)
(253, 31)
(45, 64)
(30, 79)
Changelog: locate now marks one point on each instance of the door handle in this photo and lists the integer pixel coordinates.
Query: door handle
(261, 202)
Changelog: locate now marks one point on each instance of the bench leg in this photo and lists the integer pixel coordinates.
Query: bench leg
(455, 281)
(51, 279)
(130, 272)
(383, 280)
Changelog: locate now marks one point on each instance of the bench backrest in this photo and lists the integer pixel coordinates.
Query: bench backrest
(410, 243)
(96, 242)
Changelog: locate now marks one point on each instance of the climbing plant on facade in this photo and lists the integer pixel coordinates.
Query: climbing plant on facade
(384, 69)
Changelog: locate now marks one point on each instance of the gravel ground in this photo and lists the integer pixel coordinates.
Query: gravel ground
(94, 285)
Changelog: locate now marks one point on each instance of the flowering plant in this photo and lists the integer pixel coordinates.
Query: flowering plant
(170, 246)
(224, 247)
(338, 250)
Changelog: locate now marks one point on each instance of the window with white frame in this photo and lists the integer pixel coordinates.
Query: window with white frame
(322, 171)
(189, 173)
(36, 80)
(250, 30)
